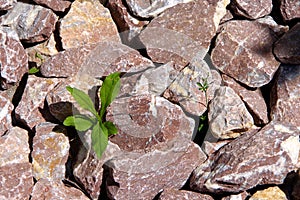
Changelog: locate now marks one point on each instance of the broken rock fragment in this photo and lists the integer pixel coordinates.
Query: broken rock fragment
(6, 107)
(56, 5)
(252, 9)
(269, 194)
(172, 194)
(7, 4)
(290, 9)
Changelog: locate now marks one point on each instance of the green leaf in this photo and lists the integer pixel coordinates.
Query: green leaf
(33, 70)
(109, 91)
(82, 99)
(80, 122)
(99, 139)
(112, 129)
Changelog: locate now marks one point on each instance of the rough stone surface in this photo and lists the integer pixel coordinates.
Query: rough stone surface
(13, 58)
(148, 9)
(183, 32)
(244, 51)
(7, 4)
(16, 180)
(172, 194)
(256, 158)
(270, 193)
(147, 121)
(285, 95)
(45, 189)
(241, 196)
(142, 175)
(33, 23)
(287, 48)
(6, 107)
(253, 99)
(56, 5)
(252, 9)
(290, 9)
(92, 20)
(228, 116)
(31, 110)
(50, 152)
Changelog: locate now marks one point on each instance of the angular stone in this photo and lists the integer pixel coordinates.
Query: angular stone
(244, 51)
(252, 9)
(50, 152)
(255, 158)
(31, 110)
(13, 58)
(290, 9)
(146, 9)
(285, 95)
(92, 20)
(270, 193)
(240, 196)
(186, 93)
(142, 175)
(210, 147)
(56, 5)
(228, 116)
(183, 32)
(7, 4)
(287, 48)
(147, 121)
(33, 23)
(6, 107)
(46, 189)
(172, 194)
(253, 99)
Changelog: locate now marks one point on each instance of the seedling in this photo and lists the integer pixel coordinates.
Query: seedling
(38, 55)
(203, 86)
(101, 129)
(33, 70)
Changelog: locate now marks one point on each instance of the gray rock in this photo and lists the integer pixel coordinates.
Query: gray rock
(33, 23)
(290, 9)
(31, 110)
(46, 189)
(172, 194)
(50, 152)
(7, 4)
(228, 116)
(255, 158)
(56, 5)
(6, 108)
(287, 48)
(252, 9)
(244, 51)
(285, 95)
(13, 58)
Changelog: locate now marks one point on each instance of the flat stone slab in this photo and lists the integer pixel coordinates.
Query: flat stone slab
(56, 5)
(6, 108)
(252, 9)
(172, 194)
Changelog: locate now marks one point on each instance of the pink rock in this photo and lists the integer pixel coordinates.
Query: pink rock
(56, 5)
(6, 107)
(172, 194)
(14, 60)
(290, 9)
(252, 9)
(7, 4)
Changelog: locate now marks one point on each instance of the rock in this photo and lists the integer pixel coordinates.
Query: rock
(253, 99)
(31, 110)
(183, 32)
(240, 196)
(33, 23)
(92, 20)
(16, 178)
(147, 121)
(289, 9)
(172, 194)
(228, 116)
(46, 189)
(210, 147)
(50, 152)
(56, 5)
(147, 9)
(142, 175)
(287, 48)
(285, 95)
(244, 51)
(255, 158)
(13, 58)
(128, 26)
(7, 4)
(252, 9)
(6, 108)
(269, 194)
(186, 93)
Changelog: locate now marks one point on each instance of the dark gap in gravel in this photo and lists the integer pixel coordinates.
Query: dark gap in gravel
(275, 13)
(19, 91)
(57, 37)
(260, 187)
(213, 43)
(157, 196)
(107, 181)
(288, 184)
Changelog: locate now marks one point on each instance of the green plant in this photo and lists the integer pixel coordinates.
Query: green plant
(203, 120)
(101, 129)
(33, 70)
(38, 55)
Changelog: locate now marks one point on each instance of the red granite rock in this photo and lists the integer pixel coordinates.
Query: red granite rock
(290, 9)
(14, 60)
(7, 4)
(172, 194)
(287, 48)
(6, 107)
(45, 189)
(33, 23)
(244, 51)
(56, 5)
(252, 9)
(285, 95)
(256, 158)
(240, 196)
